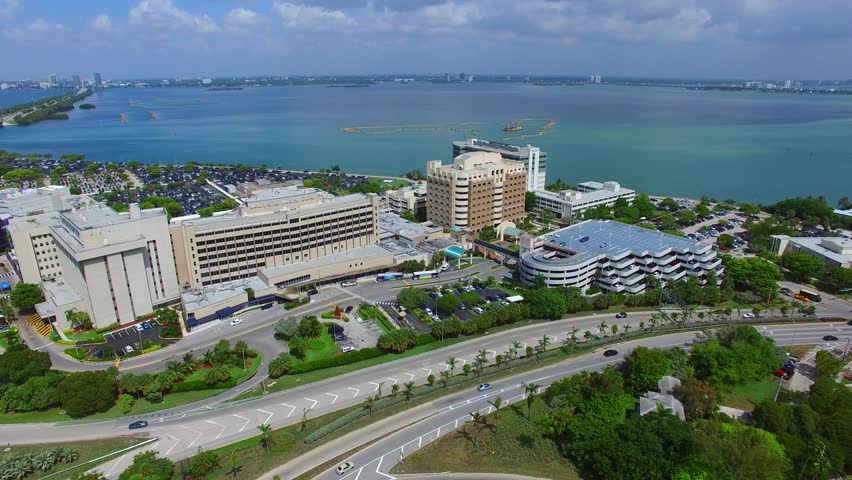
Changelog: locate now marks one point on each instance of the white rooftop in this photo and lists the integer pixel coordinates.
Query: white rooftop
(196, 298)
(348, 255)
(615, 238)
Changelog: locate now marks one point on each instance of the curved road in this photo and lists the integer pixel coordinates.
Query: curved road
(180, 432)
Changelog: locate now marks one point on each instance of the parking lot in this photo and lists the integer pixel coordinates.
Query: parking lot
(464, 312)
(119, 340)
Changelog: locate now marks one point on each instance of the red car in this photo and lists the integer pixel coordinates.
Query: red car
(779, 373)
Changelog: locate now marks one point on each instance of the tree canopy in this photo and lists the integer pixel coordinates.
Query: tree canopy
(25, 296)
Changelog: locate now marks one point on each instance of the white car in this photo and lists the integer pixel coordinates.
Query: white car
(348, 283)
(236, 321)
(478, 310)
(128, 349)
(748, 315)
(347, 348)
(345, 467)
(139, 327)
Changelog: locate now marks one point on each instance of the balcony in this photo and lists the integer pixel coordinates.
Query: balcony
(669, 268)
(638, 288)
(632, 280)
(617, 288)
(633, 269)
(675, 275)
(623, 263)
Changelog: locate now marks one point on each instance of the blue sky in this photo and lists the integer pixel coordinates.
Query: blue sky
(762, 39)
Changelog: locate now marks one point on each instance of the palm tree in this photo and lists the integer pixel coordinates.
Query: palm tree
(466, 368)
(445, 377)
(265, 437)
(188, 362)
(480, 360)
(451, 362)
(368, 405)
(207, 359)
(478, 419)
(602, 327)
(499, 360)
(394, 389)
(627, 328)
(587, 335)
(530, 389)
(544, 342)
(235, 467)
(379, 389)
(409, 390)
(642, 325)
(573, 336)
(174, 367)
(516, 347)
(614, 329)
(497, 403)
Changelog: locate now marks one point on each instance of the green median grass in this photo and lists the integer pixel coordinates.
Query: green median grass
(88, 450)
(511, 443)
(321, 347)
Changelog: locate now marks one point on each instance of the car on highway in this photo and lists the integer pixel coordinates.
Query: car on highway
(610, 353)
(348, 283)
(137, 425)
(830, 338)
(139, 327)
(621, 315)
(786, 291)
(236, 321)
(484, 387)
(748, 315)
(344, 467)
(349, 309)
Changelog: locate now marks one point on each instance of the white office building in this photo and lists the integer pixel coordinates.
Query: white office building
(624, 255)
(570, 204)
(834, 251)
(411, 198)
(534, 159)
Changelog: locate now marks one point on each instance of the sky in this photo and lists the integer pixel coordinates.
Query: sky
(719, 39)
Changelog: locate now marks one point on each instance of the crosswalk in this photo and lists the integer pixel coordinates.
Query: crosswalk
(43, 329)
(7, 274)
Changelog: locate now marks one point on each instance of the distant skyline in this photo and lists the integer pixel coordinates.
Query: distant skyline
(765, 39)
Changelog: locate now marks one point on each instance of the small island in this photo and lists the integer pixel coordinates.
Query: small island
(86, 106)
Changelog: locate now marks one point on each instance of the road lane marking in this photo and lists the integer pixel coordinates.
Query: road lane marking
(376, 384)
(115, 464)
(446, 367)
(245, 424)
(268, 413)
(292, 409)
(175, 444)
(410, 375)
(314, 402)
(356, 391)
(428, 371)
(333, 399)
(380, 466)
(392, 379)
(219, 425)
(194, 439)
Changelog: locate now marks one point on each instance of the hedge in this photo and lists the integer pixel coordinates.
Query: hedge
(336, 361)
(194, 385)
(78, 353)
(109, 327)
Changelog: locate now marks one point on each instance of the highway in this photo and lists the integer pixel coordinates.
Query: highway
(450, 413)
(180, 432)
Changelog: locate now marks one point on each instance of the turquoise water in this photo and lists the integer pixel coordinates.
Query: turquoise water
(749, 146)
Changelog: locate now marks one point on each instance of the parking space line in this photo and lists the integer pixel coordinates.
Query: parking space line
(245, 424)
(312, 400)
(214, 423)
(177, 442)
(333, 399)
(194, 439)
(356, 391)
(410, 376)
(376, 384)
(268, 413)
(292, 409)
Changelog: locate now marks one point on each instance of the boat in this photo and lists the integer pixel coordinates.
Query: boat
(155, 115)
(513, 127)
(123, 118)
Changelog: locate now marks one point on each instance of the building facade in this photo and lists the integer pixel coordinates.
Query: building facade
(617, 256)
(834, 251)
(568, 205)
(273, 228)
(479, 189)
(412, 199)
(119, 265)
(534, 159)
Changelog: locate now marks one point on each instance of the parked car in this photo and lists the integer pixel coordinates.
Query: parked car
(349, 309)
(146, 325)
(137, 425)
(344, 467)
(748, 315)
(478, 310)
(347, 349)
(139, 327)
(484, 387)
(128, 349)
(236, 321)
(348, 283)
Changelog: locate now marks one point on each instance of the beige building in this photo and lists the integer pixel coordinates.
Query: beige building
(31, 215)
(274, 228)
(411, 198)
(478, 189)
(120, 265)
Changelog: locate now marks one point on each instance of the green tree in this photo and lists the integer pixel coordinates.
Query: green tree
(25, 296)
(530, 201)
(286, 328)
(84, 393)
(447, 304)
(265, 435)
(19, 364)
(802, 266)
(643, 368)
(280, 365)
(827, 363)
(411, 266)
(201, 465)
(470, 298)
(147, 466)
(725, 241)
(298, 346)
(546, 303)
(411, 297)
(172, 207)
(397, 341)
(669, 204)
(218, 374)
(699, 398)
(840, 278)
(686, 217)
(488, 234)
(310, 327)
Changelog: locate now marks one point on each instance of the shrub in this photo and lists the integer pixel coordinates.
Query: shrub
(85, 393)
(337, 360)
(397, 341)
(125, 402)
(200, 465)
(280, 365)
(171, 331)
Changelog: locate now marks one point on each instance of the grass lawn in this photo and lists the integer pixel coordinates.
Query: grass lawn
(87, 336)
(800, 350)
(88, 450)
(511, 444)
(321, 347)
(748, 395)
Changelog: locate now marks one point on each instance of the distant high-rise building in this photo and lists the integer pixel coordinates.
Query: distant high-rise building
(462, 77)
(594, 79)
(788, 84)
(447, 77)
(53, 81)
(77, 81)
(98, 82)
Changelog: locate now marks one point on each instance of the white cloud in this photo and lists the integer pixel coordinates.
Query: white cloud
(452, 14)
(8, 7)
(309, 17)
(241, 18)
(164, 15)
(102, 22)
(41, 25)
